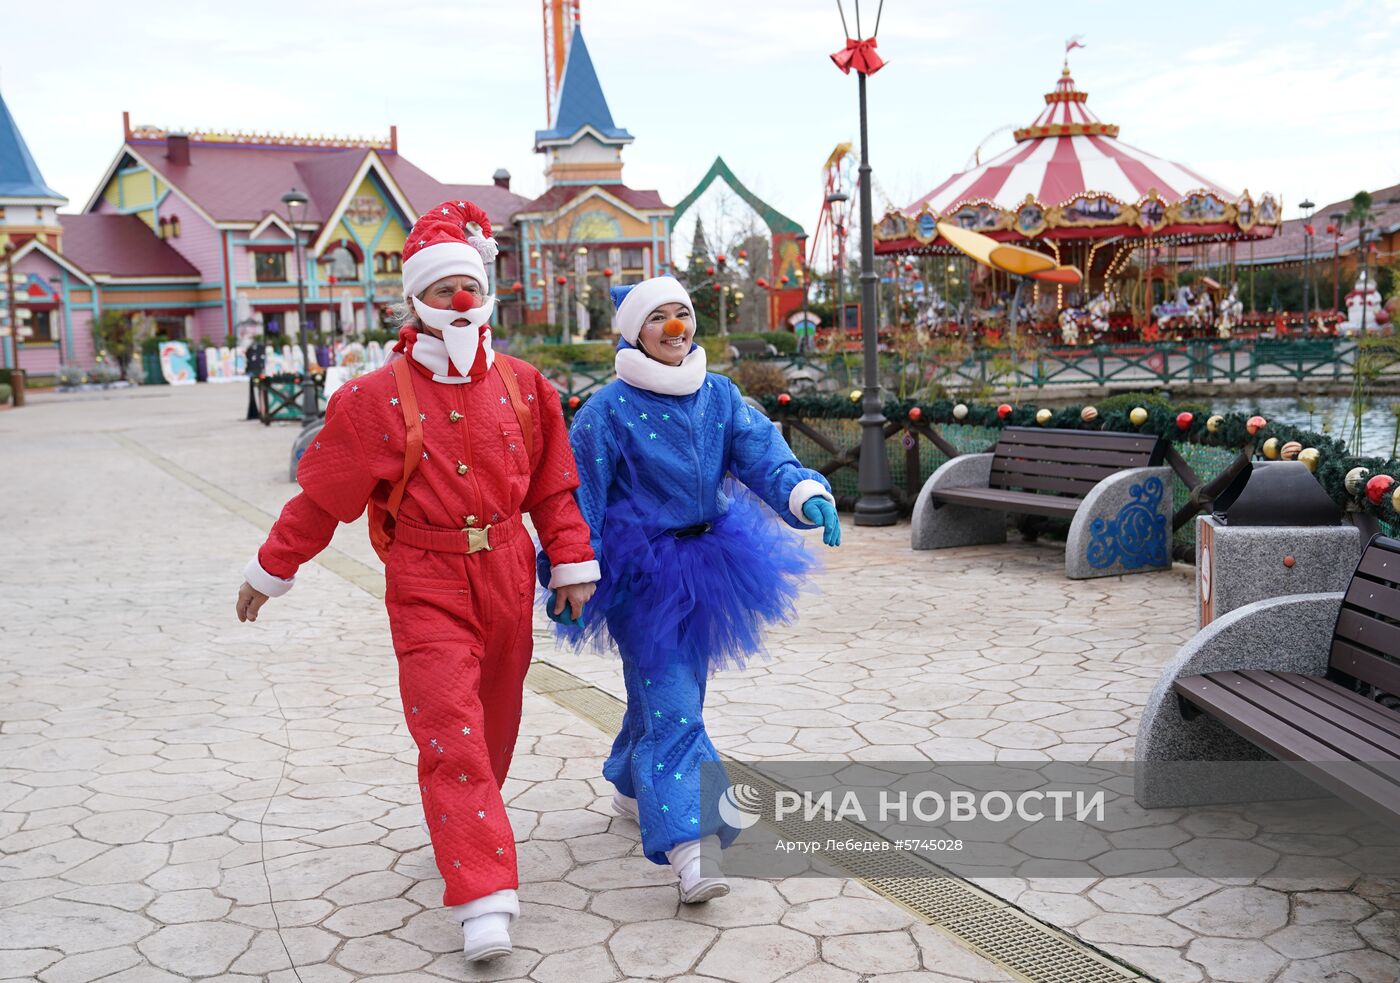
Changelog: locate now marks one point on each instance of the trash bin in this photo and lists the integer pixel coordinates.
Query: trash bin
(1273, 531)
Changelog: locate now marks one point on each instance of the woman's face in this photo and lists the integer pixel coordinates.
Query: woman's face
(668, 346)
(440, 293)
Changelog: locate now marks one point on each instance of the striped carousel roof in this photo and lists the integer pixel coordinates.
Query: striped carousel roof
(1065, 152)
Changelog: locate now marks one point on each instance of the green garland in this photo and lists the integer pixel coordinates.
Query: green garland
(1114, 413)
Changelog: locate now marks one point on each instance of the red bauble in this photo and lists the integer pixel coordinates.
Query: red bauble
(743, 254)
(762, 283)
(461, 301)
(709, 271)
(718, 287)
(607, 271)
(561, 280)
(916, 414)
(784, 280)
(784, 399)
(1183, 421)
(1254, 424)
(1004, 410)
(1378, 486)
(574, 402)
(721, 259)
(517, 286)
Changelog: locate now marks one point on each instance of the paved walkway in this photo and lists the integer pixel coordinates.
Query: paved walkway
(166, 771)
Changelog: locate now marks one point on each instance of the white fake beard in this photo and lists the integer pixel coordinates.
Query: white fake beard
(461, 342)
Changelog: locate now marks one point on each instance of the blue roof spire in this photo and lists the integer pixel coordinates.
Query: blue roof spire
(580, 101)
(19, 175)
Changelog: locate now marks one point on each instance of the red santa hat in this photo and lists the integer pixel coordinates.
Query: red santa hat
(453, 239)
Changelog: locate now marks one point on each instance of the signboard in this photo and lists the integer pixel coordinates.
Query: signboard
(176, 365)
(366, 210)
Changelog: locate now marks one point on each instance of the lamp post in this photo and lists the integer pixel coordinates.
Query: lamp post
(295, 201)
(1307, 207)
(1366, 237)
(12, 321)
(837, 200)
(1336, 230)
(875, 506)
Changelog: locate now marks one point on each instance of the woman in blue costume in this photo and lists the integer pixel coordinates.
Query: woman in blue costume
(693, 565)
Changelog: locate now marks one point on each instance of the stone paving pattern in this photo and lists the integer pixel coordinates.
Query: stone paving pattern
(161, 764)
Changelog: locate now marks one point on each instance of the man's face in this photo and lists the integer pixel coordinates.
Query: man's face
(440, 293)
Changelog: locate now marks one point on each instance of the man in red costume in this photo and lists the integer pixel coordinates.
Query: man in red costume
(460, 570)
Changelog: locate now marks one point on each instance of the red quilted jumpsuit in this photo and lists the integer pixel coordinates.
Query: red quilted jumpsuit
(461, 622)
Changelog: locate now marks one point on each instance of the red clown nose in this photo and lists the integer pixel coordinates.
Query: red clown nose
(673, 328)
(461, 301)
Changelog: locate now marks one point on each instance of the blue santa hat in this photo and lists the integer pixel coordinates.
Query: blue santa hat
(635, 301)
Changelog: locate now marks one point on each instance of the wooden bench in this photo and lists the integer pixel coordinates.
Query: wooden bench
(749, 347)
(1333, 718)
(1112, 486)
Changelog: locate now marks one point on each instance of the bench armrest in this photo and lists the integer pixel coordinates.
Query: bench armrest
(1123, 525)
(963, 471)
(934, 525)
(1292, 633)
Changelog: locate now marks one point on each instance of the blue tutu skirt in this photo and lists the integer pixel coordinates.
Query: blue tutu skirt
(703, 598)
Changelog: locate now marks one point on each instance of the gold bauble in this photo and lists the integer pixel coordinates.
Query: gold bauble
(1355, 480)
(1138, 416)
(1271, 448)
(856, 394)
(1310, 456)
(1213, 424)
(1042, 417)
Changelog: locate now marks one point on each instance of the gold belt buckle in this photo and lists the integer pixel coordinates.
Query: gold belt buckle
(478, 539)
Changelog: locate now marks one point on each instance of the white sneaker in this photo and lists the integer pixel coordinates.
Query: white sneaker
(625, 805)
(486, 936)
(690, 863)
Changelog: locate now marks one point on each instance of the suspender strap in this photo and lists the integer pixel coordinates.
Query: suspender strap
(413, 427)
(522, 409)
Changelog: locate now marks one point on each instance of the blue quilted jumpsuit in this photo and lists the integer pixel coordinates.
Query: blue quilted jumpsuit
(693, 567)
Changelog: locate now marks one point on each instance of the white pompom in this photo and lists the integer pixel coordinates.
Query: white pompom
(487, 247)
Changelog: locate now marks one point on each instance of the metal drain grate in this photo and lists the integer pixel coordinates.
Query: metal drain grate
(1028, 948)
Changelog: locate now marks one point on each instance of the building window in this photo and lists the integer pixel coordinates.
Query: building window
(41, 326)
(270, 267)
(381, 262)
(172, 327)
(598, 259)
(632, 258)
(394, 263)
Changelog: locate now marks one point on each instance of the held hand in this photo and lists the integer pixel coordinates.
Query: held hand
(250, 602)
(818, 510)
(575, 596)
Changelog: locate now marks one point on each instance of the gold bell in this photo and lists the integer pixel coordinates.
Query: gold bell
(462, 468)
(454, 416)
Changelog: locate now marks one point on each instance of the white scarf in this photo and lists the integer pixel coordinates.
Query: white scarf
(431, 353)
(635, 368)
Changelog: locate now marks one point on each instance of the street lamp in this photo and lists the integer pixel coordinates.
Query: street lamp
(1336, 230)
(875, 506)
(295, 201)
(1307, 207)
(1363, 243)
(837, 200)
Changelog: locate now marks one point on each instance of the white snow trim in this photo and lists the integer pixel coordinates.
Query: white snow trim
(806, 489)
(504, 900)
(641, 300)
(635, 368)
(431, 263)
(568, 574)
(260, 580)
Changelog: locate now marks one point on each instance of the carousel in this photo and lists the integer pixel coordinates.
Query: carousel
(1154, 241)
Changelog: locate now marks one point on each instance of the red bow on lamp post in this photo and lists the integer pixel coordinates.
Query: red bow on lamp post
(860, 55)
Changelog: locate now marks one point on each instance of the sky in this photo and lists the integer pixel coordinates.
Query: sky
(1290, 97)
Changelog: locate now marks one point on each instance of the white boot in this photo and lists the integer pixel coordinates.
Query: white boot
(486, 925)
(625, 805)
(699, 881)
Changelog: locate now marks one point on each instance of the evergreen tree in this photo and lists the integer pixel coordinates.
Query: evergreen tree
(698, 283)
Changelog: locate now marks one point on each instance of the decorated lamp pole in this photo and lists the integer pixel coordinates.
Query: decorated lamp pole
(1307, 207)
(295, 200)
(1335, 230)
(875, 506)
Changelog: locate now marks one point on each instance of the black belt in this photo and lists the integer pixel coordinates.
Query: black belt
(687, 531)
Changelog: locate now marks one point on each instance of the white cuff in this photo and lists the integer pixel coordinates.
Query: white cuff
(504, 900)
(568, 574)
(260, 579)
(801, 492)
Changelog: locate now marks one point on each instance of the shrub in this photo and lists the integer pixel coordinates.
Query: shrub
(758, 378)
(5, 392)
(71, 375)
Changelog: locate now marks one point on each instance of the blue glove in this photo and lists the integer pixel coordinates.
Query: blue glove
(821, 512)
(563, 617)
